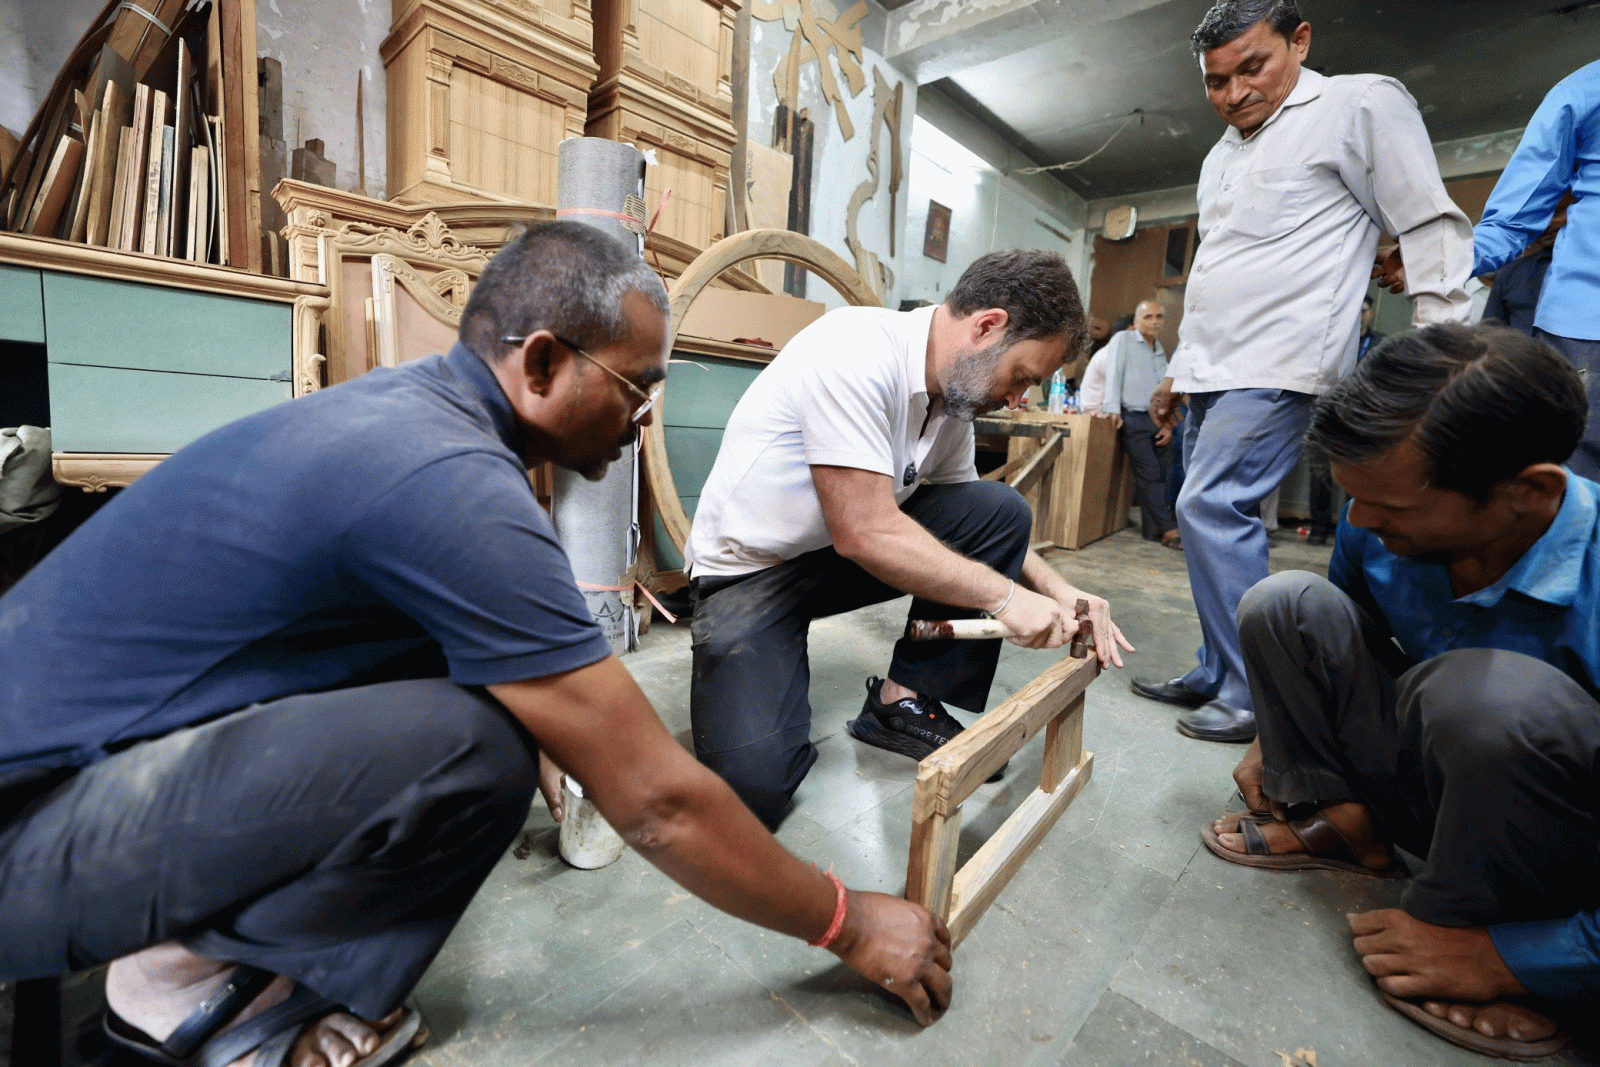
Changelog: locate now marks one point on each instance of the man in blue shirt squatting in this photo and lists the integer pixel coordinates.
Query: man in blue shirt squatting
(268, 719)
(1437, 693)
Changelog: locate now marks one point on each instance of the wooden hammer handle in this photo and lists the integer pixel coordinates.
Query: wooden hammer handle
(956, 629)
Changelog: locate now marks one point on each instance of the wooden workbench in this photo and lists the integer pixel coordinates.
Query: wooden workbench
(1088, 491)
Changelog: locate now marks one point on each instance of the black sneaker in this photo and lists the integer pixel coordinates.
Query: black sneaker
(915, 726)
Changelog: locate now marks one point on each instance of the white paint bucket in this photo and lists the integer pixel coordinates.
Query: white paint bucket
(587, 840)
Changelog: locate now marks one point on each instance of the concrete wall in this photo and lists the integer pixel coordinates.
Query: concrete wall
(838, 165)
(961, 164)
(322, 46)
(35, 39)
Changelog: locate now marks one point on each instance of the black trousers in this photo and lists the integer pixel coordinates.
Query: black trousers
(1323, 523)
(749, 702)
(335, 838)
(1138, 435)
(1486, 763)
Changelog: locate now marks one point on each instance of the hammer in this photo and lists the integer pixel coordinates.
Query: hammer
(981, 629)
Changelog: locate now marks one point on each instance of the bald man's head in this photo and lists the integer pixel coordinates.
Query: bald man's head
(1148, 318)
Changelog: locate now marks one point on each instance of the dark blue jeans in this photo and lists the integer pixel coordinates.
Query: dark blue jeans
(335, 838)
(748, 699)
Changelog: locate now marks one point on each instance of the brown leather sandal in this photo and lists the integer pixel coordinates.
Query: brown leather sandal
(1325, 844)
(1506, 1048)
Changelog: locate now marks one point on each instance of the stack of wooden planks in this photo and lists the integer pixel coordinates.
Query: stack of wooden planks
(131, 149)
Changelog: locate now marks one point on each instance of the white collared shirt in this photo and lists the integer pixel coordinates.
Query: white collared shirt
(849, 390)
(1289, 222)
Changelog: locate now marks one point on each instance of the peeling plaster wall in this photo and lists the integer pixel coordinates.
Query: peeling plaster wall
(838, 165)
(963, 166)
(321, 46)
(35, 39)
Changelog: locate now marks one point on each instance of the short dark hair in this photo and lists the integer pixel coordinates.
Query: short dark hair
(1481, 403)
(1034, 288)
(1228, 20)
(562, 276)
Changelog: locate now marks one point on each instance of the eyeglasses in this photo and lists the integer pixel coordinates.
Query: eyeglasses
(648, 399)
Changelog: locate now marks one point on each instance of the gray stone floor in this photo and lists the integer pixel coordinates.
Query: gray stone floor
(1121, 941)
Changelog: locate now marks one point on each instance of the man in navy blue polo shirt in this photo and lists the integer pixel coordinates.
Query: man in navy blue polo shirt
(1439, 691)
(270, 717)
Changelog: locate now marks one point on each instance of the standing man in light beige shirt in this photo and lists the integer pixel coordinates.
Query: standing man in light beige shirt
(1293, 199)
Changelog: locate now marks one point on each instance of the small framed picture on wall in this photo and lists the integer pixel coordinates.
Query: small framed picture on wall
(936, 237)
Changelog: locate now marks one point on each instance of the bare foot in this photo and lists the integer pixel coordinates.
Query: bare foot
(1351, 818)
(1498, 1018)
(157, 989)
(1455, 973)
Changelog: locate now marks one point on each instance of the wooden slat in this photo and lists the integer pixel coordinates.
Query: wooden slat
(932, 866)
(1015, 427)
(1063, 746)
(86, 259)
(1000, 474)
(955, 770)
(1039, 465)
(980, 879)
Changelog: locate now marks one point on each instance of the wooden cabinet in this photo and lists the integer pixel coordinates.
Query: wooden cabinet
(664, 85)
(1088, 491)
(480, 94)
(142, 355)
(21, 305)
(147, 369)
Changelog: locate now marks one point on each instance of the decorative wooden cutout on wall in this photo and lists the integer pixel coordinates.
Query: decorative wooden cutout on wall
(885, 111)
(814, 39)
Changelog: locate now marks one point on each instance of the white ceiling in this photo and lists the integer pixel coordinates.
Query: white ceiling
(1056, 77)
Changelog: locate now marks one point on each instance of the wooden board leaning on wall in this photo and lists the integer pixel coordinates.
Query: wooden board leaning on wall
(139, 146)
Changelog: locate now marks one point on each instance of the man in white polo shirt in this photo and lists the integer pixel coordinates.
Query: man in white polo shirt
(1293, 198)
(846, 478)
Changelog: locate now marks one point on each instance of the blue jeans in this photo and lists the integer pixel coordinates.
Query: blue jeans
(1238, 446)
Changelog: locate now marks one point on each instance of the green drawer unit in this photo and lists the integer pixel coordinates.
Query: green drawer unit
(21, 305)
(694, 414)
(103, 322)
(113, 409)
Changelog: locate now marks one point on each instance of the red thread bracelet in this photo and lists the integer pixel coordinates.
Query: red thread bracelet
(832, 932)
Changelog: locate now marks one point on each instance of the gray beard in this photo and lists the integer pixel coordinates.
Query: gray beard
(969, 390)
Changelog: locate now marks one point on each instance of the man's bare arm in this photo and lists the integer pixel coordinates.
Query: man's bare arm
(596, 723)
(869, 528)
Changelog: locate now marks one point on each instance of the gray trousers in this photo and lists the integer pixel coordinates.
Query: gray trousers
(335, 838)
(1483, 762)
(1585, 355)
(749, 698)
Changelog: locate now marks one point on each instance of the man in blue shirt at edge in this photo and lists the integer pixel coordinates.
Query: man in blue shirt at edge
(230, 762)
(1438, 692)
(1559, 153)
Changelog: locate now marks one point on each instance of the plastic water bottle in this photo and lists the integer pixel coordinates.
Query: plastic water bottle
(1058, 393)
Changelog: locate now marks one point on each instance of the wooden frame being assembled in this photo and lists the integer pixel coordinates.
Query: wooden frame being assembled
(1052, 702)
